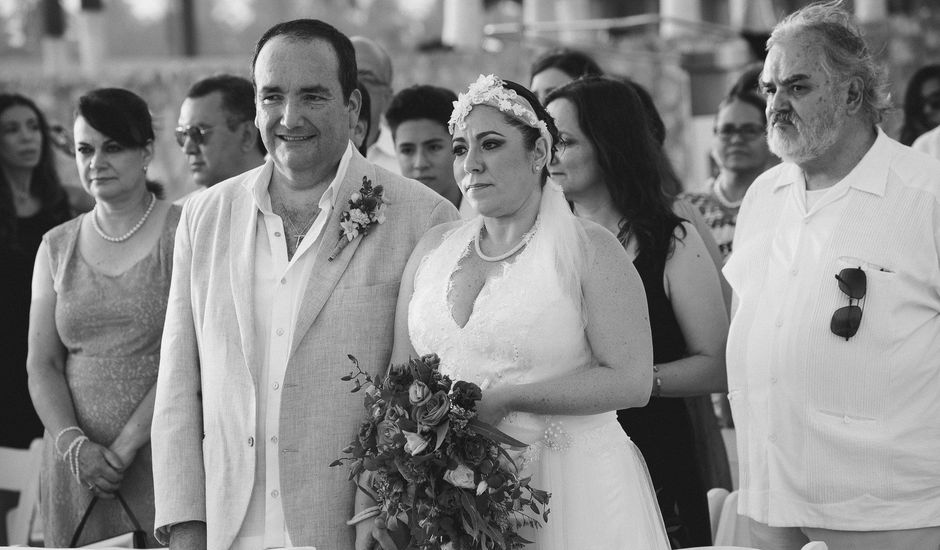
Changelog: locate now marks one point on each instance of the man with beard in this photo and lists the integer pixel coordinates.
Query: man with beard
(833, 351)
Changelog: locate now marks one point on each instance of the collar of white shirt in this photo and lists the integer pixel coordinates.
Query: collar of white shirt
(869, 175)
(259, 187)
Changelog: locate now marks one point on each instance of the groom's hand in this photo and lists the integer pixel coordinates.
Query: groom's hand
(189, 535)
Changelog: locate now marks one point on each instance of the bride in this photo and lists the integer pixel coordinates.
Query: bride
(547, 314)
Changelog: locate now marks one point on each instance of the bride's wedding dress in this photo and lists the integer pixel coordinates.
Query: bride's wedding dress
(524, 328)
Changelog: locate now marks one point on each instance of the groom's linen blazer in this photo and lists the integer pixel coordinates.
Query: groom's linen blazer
(206, 403)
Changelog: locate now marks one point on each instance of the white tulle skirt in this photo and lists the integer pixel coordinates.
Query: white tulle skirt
(602, 497)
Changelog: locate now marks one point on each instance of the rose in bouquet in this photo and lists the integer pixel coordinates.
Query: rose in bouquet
(435, 468)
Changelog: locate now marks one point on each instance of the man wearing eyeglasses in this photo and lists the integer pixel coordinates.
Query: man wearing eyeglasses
(834, 345)
(216, 130)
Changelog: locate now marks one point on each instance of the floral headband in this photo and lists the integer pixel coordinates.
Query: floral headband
(488, 90)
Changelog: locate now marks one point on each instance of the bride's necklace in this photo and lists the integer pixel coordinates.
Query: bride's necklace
(124, 237)
(522, 242)
(722, 198)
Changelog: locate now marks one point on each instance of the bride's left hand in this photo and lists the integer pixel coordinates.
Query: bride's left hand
(494, 406)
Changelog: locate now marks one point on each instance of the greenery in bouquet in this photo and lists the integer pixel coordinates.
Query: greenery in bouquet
(434, 467)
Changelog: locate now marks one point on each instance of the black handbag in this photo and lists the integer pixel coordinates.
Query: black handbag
(132, 539)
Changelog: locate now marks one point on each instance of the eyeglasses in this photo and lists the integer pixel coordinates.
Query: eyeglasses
(198, 134)
(747, 132)
(846, 320)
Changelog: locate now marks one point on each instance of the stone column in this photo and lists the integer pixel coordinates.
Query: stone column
(690, 10)
(92, 32)
(463, 24)
(871, 11)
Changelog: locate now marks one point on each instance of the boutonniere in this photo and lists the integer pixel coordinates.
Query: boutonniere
(366, 208)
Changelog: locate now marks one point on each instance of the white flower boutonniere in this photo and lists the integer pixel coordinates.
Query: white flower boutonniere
(366, 208)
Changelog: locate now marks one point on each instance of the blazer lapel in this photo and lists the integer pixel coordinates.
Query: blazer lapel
(243, 224)
(327, 273)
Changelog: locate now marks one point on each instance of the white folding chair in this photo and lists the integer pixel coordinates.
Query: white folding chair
(716, 499)
(733, 528)
(816, 545)
(20, 473)
(722, 548)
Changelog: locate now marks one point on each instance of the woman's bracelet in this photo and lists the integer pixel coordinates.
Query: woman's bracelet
(365, 514)
(657, 382)
(71, 455)
(59, 435)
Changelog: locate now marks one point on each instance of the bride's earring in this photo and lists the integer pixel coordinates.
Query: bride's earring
(536, 168)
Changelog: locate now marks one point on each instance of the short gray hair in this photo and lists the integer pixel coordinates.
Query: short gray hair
(845, 53)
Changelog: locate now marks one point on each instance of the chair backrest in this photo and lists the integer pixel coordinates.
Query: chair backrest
(733, 529)
(716, 500)
(816, 545)
(20, 473)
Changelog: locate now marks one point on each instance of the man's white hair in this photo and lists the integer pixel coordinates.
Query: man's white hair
(845, 54)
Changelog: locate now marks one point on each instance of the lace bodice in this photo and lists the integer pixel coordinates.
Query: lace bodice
(523, 327)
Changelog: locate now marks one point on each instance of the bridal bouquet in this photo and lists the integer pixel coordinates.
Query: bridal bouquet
(433, 466)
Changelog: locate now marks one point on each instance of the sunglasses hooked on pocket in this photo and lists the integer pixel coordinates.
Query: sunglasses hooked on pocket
(845, 321)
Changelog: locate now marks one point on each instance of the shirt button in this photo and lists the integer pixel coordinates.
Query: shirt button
(846, 419)
(284, 281)
(275, 385)
(779, 323)
(773, 379)
(772, 438)
(280, 332)
(794, 271)
(274, 439)
(251, 442)
(277, 233)
(275, 493)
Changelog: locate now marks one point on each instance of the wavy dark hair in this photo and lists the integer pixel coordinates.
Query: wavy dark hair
(914, 124)
(634, 167)
(44, 184)
(123, 116)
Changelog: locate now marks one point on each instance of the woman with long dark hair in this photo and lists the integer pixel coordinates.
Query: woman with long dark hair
(32, 201)
(100, 290)
(612, 170)
(921, 104)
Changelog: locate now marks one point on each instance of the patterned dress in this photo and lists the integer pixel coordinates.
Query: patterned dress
(721, 217)
(111, 327)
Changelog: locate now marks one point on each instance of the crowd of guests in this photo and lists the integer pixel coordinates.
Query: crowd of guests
(834, 265)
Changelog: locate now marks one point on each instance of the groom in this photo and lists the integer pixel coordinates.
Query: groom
(250, 409)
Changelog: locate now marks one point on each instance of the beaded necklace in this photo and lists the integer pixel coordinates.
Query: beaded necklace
(124, 237)
(522, 242)
(720, 195)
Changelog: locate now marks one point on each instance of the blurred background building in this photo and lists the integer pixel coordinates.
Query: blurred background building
(686, 52)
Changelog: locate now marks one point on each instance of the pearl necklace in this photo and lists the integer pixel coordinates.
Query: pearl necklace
(522, 242)
(720, 195)
(124, 237)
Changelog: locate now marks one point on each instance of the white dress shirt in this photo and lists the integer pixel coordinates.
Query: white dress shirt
(929, 143)
(279, 286)
(835, 433)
